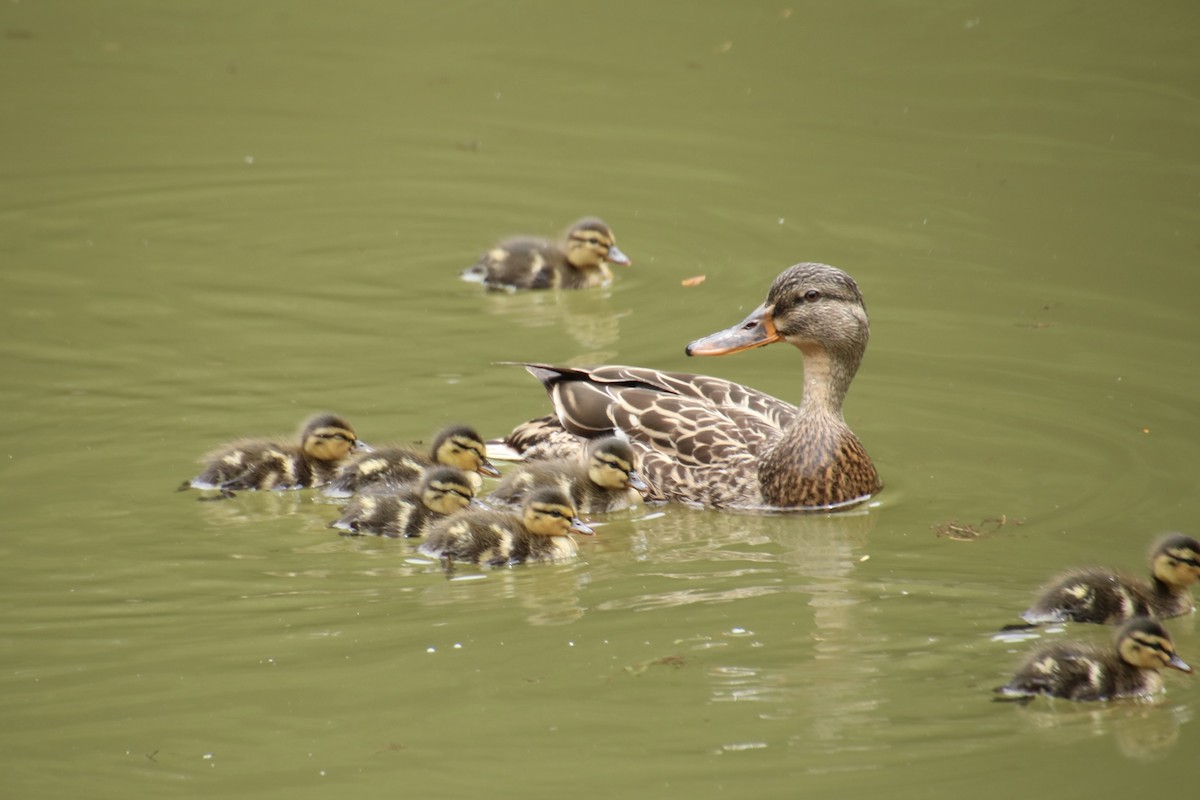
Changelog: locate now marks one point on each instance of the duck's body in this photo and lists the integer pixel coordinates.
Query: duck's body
(579, 262)
(412, 510)
(607, 480)
(325, 442)
(540, 532)
(1078, 671)
(1100, 595)
(712, 442)
(391, 468)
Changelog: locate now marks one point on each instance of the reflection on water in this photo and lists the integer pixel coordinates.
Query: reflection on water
(589, 318)
(548, 596)
(1143, 730)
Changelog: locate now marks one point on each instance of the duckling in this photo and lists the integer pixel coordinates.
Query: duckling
(325, 441)
(457, 446)
(539, 533)
(1080, 671)
(579, 262)
(540, 439)
(1096, 594)
(409, 512)
(607, 481)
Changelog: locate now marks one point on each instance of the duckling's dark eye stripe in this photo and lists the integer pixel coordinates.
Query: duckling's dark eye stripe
(1159, 646)
(591, 240)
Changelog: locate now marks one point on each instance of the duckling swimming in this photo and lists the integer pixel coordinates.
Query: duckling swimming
(607, 481)
(390, 468)
(325, 441)
(579, 262)
(409, 512)
(1078, 671)
(541, 532)
(1096, 594)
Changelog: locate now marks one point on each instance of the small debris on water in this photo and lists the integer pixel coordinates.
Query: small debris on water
(961, 532)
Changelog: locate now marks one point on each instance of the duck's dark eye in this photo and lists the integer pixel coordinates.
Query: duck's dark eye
(812, 295)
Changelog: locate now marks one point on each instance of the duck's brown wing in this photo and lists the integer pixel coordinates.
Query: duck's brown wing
(700, 437)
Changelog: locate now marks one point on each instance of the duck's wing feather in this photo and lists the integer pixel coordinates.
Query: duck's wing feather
(692, 429)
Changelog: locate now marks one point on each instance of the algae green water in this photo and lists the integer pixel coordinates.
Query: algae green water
(216, 218)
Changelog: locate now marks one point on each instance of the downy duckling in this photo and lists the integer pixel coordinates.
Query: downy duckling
(607, 481)
(325, 441)
(1096, 594)
(1078, 671)
(579, 262)
(409, 512)
(390, 468)
(540, 439)
(541, 532)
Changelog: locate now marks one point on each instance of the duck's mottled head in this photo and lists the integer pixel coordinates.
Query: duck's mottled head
(1145, 643)
(810, 305)
(462, 447)
(328, 437)
(590, 243)
(550, 512)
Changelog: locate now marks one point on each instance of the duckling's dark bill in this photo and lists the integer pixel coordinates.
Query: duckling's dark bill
(756, 330)
(615, 256)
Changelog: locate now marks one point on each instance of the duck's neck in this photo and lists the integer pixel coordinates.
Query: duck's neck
(826, 380)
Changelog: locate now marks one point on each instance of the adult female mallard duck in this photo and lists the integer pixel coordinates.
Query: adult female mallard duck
(541, 532)
(579, 262)
(410, 511)
(712, 442)
(325, 441)
(390, 468)
(1096, 594)
(1079, 671)
(607, 481)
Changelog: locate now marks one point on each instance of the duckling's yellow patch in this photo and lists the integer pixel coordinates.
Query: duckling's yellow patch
(372, 465)
(1046, 666)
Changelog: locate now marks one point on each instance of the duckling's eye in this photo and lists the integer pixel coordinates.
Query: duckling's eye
(812, 295)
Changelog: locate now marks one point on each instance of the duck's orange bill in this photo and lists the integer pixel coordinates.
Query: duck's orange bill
(756, 330)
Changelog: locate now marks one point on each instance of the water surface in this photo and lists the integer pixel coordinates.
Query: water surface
(216, 219)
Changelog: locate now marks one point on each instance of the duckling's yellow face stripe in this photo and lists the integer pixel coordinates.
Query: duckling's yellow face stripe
(553, 519)
(329, 444)
(1148, 651)
(1178, 566)
(587, 248)
(446, 497)
(466, 454)
(609, 471)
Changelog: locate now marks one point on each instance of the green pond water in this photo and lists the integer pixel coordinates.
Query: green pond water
(217, 218)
